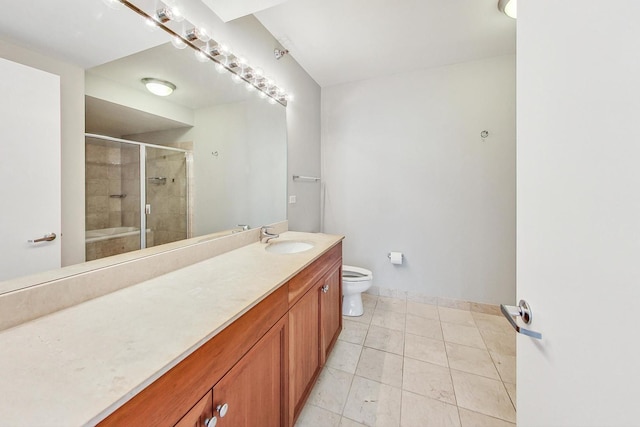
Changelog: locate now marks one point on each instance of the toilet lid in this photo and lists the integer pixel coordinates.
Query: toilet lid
(355, 274)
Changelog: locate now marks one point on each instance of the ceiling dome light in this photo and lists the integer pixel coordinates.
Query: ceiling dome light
(508, 7)
(159, 87)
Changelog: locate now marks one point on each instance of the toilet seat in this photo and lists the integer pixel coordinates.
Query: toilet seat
(355, 274)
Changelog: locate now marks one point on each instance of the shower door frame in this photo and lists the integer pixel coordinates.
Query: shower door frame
(143, 182)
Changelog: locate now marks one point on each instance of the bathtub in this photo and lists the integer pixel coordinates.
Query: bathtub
(106, 242)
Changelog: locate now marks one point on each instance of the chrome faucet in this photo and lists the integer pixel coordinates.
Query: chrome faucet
(265, 235)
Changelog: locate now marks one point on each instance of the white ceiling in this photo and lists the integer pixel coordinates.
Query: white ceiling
(338, 41)
(229, 10)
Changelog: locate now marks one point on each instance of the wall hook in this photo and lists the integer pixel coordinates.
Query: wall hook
(484, 134)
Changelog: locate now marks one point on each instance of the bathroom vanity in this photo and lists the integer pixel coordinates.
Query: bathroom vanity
(240, 337)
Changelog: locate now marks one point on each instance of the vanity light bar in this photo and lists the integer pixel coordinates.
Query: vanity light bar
(219, 53)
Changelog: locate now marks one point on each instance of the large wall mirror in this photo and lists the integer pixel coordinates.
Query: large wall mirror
(202, 161)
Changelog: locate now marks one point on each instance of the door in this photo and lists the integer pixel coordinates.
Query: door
(330, 310)
(304, 344)
(578, 211)
(29, 170)
(253, 392)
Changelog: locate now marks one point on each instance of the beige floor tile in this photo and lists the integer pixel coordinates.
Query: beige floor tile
(423, 326)
(427, 379)
(353, 332)
(419, 411)
(331, 390)
(452, 315)
(385, 339)
(506, 366)
(365, 318)
(345, 356)
(373, 403)
(498, 342)
(474, 419)
(392, 304)
(388, 319)
(511, 389)
(461, 334)
(483, 395)
(473, 360)
(369, 300)
(346, 422)
(314, 416)
(423, 310)
(380, 366)
(425, 349)
(454, 303)
(486, 308)
(492, 323)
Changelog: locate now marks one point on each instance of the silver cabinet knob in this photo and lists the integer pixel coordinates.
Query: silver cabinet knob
(222, 410)
(211, 422)
(325, 288)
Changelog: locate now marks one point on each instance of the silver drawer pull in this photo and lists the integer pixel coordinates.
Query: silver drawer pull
(45, 238)
(523, 310)
(325, 288)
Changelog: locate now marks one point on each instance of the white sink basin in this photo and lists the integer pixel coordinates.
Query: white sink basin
(288, 247)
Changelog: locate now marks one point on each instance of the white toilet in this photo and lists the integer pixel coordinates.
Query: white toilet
(355, 281)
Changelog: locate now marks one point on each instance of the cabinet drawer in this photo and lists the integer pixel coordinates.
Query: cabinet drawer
(304, 280)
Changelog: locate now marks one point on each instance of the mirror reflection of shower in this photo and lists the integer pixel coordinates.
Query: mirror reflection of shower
(117, 172)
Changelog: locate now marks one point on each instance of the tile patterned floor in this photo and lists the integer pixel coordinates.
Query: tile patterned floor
(404, 363)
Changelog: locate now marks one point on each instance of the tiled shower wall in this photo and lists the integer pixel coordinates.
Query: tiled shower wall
(111, 170)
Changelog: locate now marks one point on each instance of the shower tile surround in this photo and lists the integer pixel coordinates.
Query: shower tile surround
(426, 378)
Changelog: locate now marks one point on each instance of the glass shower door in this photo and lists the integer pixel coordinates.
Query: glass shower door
(166, 204)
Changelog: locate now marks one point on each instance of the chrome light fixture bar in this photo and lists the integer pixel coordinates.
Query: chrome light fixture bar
(212, 50)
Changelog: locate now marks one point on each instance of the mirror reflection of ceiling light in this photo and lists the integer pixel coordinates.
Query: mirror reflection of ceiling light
(159, 87)
(508, 7)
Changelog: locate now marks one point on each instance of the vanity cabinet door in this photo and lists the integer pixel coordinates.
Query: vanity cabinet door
(253, 392)
(200, 414)
(304, 342)
(330, 310)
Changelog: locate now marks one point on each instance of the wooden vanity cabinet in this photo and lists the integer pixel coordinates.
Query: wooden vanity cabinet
(262, 366)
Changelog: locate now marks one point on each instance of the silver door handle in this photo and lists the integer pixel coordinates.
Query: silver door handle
(524, 311)
(45, 238)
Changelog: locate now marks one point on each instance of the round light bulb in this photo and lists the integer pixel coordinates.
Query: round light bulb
(250, 87)
(272, 101)
(178, 43)
(511, 9)
(200, 56)
(177, 14)
(220, 68)
(236, 78)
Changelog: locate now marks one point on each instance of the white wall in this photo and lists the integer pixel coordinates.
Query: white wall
(406, 170)
(72, 150)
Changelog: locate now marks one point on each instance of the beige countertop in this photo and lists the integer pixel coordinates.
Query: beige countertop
(78, 365)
